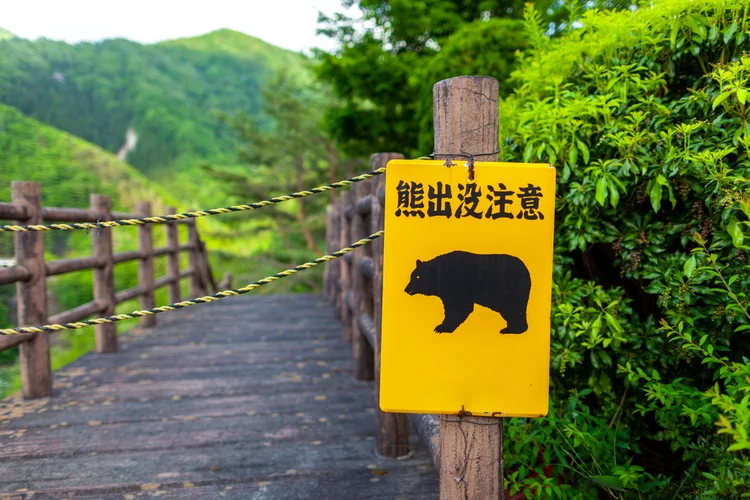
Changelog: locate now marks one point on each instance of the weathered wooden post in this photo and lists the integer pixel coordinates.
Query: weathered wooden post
(196, 288)
(345, 267)
(465, 112)
(173, 258)
(392, 428)
(363, 354)
(36, 371)
(146, 264)
(104, 279)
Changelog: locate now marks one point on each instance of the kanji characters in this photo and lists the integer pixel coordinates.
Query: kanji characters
(530, 202)
(436, 205)
(500, 199)
(469, 201)
(410, 199)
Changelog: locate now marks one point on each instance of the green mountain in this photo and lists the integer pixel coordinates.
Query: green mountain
(6, 34)
(167, 94)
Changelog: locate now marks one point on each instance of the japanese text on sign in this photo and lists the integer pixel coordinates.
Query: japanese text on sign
(521, 203)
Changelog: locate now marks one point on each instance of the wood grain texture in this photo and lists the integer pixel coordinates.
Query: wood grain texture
(364, 363)
(104, 278)
(465, 112)
(36, 372)
(146, 264)
(345, 264)
(393, 428)
(249, 397)
(197, 286)
(173, 258)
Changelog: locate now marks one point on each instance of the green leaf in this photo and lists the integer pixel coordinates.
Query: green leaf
(713, 34)
(655, 195)
(673, 35)
(689, 266)
(735, 231)
(601, 190)
(610, 482)
(721, 97)
(614, 194)
(742, 95)
(528, 151)
(584, 151)
(729, 32)
(572, 156)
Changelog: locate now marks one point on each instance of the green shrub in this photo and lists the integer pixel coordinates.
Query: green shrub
(644, 114)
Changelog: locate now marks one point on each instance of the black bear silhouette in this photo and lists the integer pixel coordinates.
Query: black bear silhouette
(461, 279)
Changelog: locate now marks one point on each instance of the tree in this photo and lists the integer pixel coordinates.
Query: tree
(383, 72)
(290, 153)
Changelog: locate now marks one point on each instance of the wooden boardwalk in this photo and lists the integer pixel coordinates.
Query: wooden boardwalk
(247, 398)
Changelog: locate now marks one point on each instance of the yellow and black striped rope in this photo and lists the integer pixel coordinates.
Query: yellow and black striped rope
(158, 219)
(196, 301)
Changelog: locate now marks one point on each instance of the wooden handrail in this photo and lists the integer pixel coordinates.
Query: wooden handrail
(77, 313)
(56, 267)
(12, 274)
(31, 270)
(126, 256)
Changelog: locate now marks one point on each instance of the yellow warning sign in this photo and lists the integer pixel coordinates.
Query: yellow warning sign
(467, 281)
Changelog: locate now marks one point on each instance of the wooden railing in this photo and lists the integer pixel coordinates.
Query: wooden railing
(468, 451)
(31, 269)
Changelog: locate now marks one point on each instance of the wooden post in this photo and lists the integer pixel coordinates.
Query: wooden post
(146, 264)
(465, 112)
(392, 428)
(336, 242)
(364, 368)
(173, 258)
(36, 371)
(104, 278)
(344, 266)
(196, 288)
(328, 265)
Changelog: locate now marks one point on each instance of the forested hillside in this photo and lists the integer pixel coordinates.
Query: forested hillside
(5, 34)
(167, 93)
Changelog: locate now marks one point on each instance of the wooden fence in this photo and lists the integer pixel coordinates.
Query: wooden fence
(31, 269)
(468, 451)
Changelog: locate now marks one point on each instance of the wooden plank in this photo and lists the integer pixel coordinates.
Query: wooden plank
(36, 373)
(345, 265)
(126, 256)
(198, 408)
(8, 341)
(392, 428)
(104, 278)
(465, 114)
(78, 313)
(124, 215)
(163, 281)
(64, 266)
(128, 294)
(427, 428)
(364, 364)
(364, 204)
(12, 211)
(12, 274)
(54, 214)
(173, 259)
(146, 264)
(367, 327)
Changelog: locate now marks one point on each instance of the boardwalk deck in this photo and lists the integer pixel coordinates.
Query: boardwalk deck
(247, 398)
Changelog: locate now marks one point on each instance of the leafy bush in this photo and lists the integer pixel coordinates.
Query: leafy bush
(644, 113)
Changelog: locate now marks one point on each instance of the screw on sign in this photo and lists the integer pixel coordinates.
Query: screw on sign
(467, 283)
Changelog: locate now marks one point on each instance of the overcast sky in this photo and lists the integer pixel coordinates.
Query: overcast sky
(287, 23)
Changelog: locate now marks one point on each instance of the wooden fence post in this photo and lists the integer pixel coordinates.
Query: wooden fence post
(173, 258)
(196, 287)
(344, 265)
(104, 279)
(146, 264)
(338, 245)
(465, 112)
(36, 371)
(364, 368)
(392, 428)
